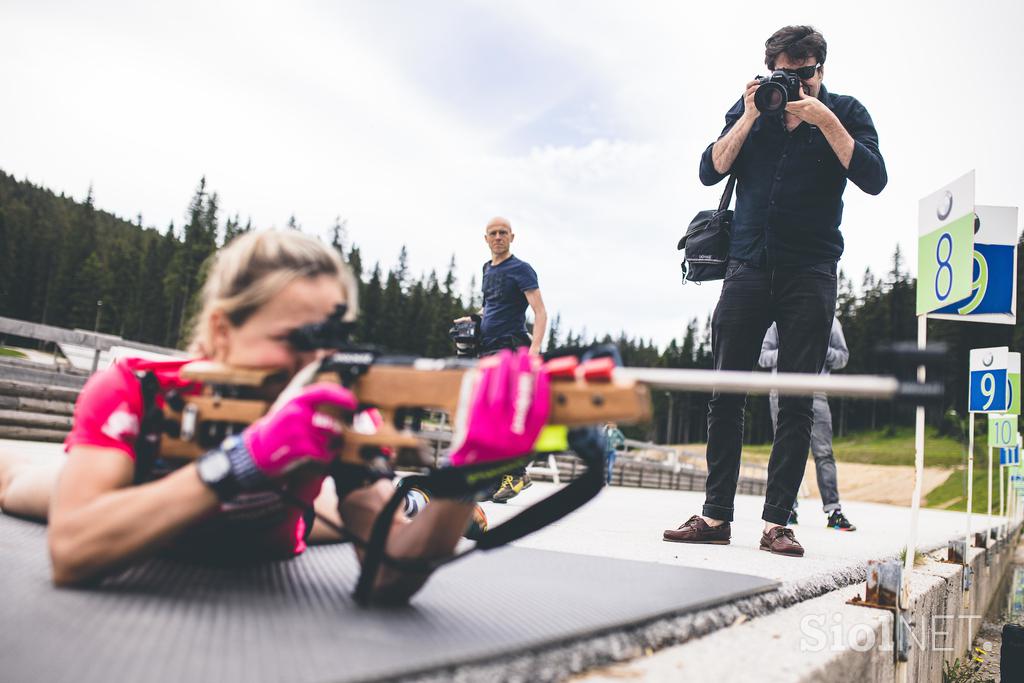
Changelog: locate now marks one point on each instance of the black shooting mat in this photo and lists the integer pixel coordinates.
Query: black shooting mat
(296, 620)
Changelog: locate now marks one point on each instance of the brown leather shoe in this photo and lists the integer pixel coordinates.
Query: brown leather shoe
(781, 541)
(696, 530)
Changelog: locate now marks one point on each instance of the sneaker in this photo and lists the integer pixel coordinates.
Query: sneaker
(838, 521)
(477, 525)
(511, 486)
(792, 518)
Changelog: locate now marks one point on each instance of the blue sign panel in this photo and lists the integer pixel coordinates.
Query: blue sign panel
(988, 391)
(1009, 456)
(993, 282)
(988, 373)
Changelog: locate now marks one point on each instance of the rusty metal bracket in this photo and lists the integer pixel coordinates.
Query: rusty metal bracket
(882, 591)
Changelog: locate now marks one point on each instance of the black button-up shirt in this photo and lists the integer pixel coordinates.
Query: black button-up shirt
(789, 185)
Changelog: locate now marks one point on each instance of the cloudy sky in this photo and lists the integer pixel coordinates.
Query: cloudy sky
(583, 122)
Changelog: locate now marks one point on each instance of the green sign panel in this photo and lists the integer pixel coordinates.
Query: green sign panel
(945, 245)
(945, 263)
(1002, 431)
(1013, 383)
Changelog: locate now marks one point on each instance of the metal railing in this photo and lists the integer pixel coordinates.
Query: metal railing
(92, 340)
(634, 466)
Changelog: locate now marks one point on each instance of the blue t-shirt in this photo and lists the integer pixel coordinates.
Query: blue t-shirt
(504, 301)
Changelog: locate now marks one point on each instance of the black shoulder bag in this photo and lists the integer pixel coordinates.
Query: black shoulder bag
(706, 242)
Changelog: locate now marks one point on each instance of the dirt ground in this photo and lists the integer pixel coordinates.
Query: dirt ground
(890, 484)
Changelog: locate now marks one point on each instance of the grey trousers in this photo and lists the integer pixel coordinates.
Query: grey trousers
(821, 448)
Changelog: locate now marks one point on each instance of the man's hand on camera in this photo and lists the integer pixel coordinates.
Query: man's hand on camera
(727, 148)
(810, 109)
(750, 110)
(813, 111)
(463, 319)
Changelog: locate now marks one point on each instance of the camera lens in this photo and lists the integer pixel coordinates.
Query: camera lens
(770, 98)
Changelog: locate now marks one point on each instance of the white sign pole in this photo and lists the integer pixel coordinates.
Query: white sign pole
(915, 501)
(945, 262)
(1012, 493)
(988, 530)
(970, 483)
(1002, 510)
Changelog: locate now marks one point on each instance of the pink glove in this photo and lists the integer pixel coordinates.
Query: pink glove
(298, 432)
(504, 414)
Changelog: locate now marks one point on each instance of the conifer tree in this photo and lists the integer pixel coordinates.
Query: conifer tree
(553, 338)
(339, 235)
(371, 299)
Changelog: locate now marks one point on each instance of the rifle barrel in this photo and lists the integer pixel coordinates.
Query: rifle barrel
(737, 382)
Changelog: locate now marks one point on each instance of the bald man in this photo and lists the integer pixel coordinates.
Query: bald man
(510, 285)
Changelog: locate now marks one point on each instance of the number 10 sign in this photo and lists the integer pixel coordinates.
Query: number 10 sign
(945, 247)
(988, 380)
(1002, 431)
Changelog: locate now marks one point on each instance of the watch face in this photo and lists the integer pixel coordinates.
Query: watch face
(214, 467)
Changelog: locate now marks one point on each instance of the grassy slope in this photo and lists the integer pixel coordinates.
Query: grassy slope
(953, 489)
(887, 448)
(897, 448)
(14, 353)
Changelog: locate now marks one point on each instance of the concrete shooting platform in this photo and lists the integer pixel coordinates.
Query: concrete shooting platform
(627, 523)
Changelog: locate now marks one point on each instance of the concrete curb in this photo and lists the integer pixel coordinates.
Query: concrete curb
(827, 639)
(736, 641)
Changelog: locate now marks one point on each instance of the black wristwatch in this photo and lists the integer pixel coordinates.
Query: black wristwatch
(229, 469)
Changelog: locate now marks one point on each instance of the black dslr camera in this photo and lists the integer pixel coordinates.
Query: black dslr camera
(466, 335)
(776, 91)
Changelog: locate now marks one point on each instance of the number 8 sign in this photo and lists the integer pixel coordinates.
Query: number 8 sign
(988, 380)
(945, 262)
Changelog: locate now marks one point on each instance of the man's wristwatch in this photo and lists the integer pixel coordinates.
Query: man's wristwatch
(229, 469)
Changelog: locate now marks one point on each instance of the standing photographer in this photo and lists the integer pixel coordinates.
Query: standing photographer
(791, 148)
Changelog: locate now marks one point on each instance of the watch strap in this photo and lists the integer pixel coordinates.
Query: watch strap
(241, 475)
(248, 476)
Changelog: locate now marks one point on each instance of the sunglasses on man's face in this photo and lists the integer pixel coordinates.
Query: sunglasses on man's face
(804, 73)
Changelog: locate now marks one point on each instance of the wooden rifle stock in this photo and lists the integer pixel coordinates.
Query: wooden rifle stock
(233, 398)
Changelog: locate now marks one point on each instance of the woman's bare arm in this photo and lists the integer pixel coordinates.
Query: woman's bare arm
(98, 522)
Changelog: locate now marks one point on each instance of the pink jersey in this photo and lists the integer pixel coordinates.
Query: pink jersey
(109, 413)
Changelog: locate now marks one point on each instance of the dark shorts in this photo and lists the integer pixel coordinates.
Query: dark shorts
(513, 341)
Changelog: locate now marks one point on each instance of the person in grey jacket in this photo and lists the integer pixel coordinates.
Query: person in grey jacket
(821, 433)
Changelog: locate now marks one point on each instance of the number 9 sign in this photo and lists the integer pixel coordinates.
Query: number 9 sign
(988, 380)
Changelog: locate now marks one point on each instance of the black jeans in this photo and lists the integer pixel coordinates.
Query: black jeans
(801, 300)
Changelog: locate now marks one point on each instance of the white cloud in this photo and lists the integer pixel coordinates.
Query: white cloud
(583, 122)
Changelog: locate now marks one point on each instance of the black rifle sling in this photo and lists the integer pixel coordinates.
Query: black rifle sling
(557, 505)
(458, 482)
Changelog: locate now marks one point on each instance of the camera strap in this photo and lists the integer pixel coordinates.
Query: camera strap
(727, 193)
